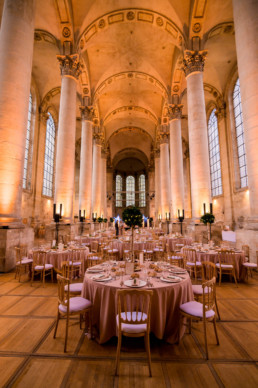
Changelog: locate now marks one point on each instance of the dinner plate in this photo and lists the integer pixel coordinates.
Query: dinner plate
(99, 278)
(171, 279)
(130, 283)
(94, 270)
(177, 271)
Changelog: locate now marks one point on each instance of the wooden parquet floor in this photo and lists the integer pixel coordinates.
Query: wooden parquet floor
(31, 358)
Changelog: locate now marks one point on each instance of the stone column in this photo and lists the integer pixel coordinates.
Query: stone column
(157, 184)
(96, 176)
(85, 187)
(104, 183)
(246, 30)
(176, 160)
(164, 175)
(16, 47)
(198, 135)
(65, 151)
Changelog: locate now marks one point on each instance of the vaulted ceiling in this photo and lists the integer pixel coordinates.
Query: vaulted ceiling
(131, 53)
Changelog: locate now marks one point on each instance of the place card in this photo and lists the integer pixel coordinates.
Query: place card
(129, 268)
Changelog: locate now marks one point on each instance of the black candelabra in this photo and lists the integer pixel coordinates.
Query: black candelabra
(167, 221)
(181, 220)
(57, 217)
(82, 219)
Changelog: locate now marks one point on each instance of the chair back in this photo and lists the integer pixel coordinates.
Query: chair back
(209, 295)
(208, 270)
(68, 270)
(20, 252)
(39, 258)
(63, 295)
(134, 301)
(226, 257)
(77, 254)
(190, 254)
(245, 248)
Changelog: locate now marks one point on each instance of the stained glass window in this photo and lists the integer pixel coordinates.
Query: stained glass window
(142, 193)
(28, 149)
(119, 188)
(130, 191)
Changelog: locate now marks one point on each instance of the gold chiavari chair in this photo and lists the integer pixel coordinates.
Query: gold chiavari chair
(226, 264)
(202, 311)
(71, 306)
(191, 263)
(22, 261)
(39, 266)
(133, 319)
(175, 258)
(94, 259)
(209, 271)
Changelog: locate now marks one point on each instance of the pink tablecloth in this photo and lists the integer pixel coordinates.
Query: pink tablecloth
(167, 298)
(214, 258)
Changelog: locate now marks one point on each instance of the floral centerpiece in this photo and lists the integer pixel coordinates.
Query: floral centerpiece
(132, 216)
(208, 218)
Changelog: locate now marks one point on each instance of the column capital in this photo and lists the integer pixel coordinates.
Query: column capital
(87, 113)
(175, 111)
(98, 139)
(69, 65)
(163, 134)
(221, 111)
(194, 61)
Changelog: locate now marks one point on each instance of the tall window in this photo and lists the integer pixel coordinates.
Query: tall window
(119, 188)
(28, 149)
(49, 157)
(240, 134)
(142, 196)
(130, 191)
(215, 167)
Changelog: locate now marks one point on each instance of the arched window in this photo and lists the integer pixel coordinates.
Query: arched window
(142, 194)
(130, 191)
(49, 157)
(28, 149)
(240, 134)
(214, 152)
(119, 188)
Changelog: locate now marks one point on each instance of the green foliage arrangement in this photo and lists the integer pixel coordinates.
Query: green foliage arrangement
(111, 220)
(132, 216)
(100, 219)
(105, 220)
(207, 218)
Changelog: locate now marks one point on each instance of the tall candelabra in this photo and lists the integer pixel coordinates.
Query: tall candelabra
(82, 220)
(181, 220)
(57, 217)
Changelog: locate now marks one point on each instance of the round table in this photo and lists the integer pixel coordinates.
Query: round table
(56, 257)
(173, 241)
(167, 297)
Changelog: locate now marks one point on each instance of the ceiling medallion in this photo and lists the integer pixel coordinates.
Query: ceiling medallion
(66, 32)
(130, 75)
(159, 21)
(130, 15)
(197, 27)
(102, 23)
(176, 88)
(85, 91)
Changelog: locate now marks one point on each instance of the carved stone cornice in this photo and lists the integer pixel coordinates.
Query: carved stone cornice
(98, 138)
(175, 111)
(43, 117)
(87, 113)
(69, 65)
(194, 61)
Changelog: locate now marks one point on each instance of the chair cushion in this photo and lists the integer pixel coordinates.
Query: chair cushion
(133, 327)
(197, 289)
(196, 309)
(250, 265)
(228, 266)
(41, 267)
(198, 263)
(76, 263)
(26, 260)
(74, 287)
(49, 266)
(76, 304)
